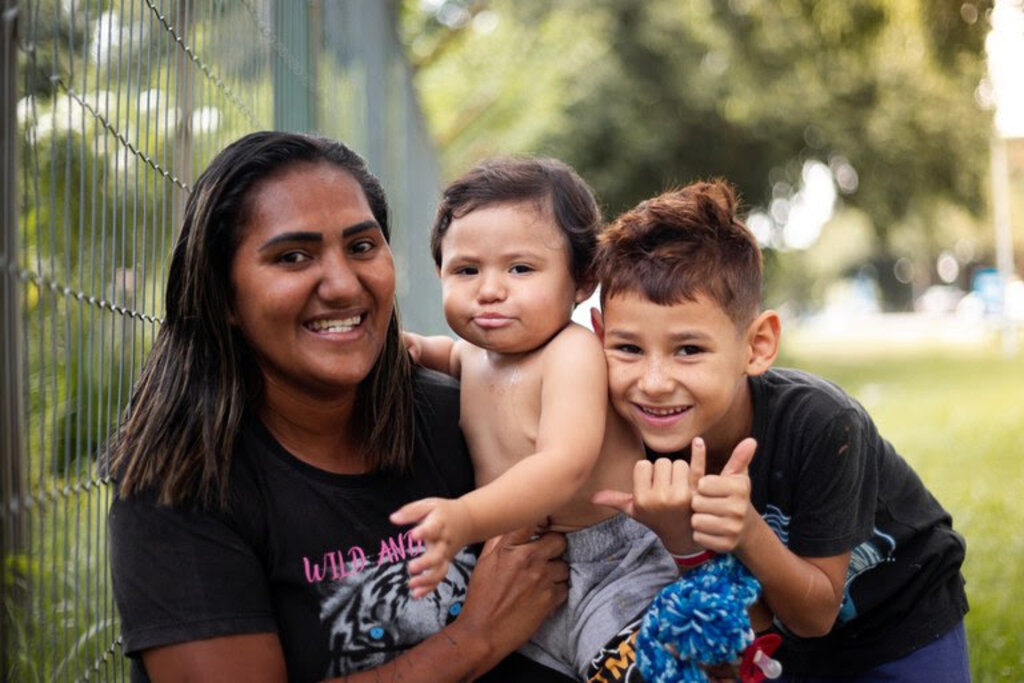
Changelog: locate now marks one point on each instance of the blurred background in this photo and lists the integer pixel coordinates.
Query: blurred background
(877, 146)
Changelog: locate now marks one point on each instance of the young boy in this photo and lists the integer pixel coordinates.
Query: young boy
(513, 242)
(858, 562)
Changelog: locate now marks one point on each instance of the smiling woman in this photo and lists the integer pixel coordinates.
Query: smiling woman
(276, 424)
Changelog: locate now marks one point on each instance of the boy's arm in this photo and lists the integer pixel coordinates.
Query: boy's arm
(574, 399)
(804, 593)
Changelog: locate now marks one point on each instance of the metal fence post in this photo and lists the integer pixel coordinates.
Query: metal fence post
(293, 106)
(12, 531)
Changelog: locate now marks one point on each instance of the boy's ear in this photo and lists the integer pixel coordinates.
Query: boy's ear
(597, 322)
(763, 338)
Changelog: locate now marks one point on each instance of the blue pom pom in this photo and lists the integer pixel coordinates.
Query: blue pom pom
(700, 620)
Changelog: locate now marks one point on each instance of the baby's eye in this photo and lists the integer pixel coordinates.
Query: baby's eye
(466, 270)
(521, 269)
(689, 350)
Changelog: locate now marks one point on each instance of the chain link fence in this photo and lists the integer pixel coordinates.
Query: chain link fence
(110, 110)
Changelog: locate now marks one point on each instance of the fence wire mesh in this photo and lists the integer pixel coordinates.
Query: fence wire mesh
(110, 111)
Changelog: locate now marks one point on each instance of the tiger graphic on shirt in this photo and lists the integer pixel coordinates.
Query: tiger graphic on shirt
(372, 615)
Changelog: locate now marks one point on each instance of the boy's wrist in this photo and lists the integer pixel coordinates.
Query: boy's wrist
(693, 559)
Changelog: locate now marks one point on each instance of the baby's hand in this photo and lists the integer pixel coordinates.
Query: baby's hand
(662, 492)
(413, 344)
(443, 525)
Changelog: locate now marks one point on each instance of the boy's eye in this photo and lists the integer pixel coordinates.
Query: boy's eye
(466, 270)
(520, 269)
(689, 350)
(631, 349)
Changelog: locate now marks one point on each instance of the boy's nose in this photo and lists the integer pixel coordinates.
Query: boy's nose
(654, 381)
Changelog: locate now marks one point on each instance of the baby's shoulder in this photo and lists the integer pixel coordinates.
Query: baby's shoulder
(574, 345)
(575, 337)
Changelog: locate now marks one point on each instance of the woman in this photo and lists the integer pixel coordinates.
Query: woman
(276, 425)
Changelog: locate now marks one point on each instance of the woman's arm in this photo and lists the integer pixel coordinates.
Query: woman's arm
(517, 583)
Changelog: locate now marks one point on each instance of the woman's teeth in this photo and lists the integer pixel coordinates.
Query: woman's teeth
(345, 325)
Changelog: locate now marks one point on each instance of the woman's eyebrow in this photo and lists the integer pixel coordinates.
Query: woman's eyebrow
(296, 236)
(313, 236)
(359, 227)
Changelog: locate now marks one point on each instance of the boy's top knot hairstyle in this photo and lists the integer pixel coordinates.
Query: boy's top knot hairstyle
(681, 244)
(554, 185)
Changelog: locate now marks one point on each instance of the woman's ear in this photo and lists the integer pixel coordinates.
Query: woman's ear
(763, 336)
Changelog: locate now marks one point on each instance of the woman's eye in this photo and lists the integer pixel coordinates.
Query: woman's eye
(631, 349)
(362, 247)
(293, 257)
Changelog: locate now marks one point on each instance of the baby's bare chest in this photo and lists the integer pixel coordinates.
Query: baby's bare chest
(500, 415)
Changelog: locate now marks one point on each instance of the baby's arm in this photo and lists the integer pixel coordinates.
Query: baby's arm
(436, 352)
(804, 593)
(569, 437)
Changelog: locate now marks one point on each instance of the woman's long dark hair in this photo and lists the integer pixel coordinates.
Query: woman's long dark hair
(200, 377)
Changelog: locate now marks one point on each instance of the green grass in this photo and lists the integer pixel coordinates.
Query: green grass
(958, 417)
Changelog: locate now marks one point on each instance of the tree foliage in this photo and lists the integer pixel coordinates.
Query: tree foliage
(640, 95)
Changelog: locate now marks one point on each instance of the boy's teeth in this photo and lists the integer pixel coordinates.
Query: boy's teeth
(662, 412)
(344, 325)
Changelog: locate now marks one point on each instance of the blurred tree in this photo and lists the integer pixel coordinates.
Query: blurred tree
(641, 95)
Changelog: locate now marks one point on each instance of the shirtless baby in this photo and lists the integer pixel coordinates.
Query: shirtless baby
(513, 242)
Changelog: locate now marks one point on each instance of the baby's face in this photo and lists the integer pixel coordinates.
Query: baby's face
(677, 371)
(505, 277)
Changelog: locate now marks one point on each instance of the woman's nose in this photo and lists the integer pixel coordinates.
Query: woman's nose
(338, 282)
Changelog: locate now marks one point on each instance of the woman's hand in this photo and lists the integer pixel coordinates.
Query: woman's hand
(517, 584)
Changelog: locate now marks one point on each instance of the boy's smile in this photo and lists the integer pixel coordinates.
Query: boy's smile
(677, 371)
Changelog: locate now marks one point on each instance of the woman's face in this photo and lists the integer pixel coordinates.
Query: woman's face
(313, 282)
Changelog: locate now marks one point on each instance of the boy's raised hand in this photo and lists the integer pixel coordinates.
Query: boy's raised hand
(443, 525)
(722, 511)
(660, 500)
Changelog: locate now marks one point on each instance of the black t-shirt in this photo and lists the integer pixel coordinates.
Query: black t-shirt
(827, 482)
(302, 552)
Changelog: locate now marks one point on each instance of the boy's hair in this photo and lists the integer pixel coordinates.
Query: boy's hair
(681, 244)
(514, 179)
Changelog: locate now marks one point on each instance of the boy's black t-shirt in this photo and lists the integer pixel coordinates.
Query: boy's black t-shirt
(827, 482)
(302, 552)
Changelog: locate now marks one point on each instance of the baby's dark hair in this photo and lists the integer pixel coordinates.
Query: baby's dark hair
(553, 184)
(681, 244)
